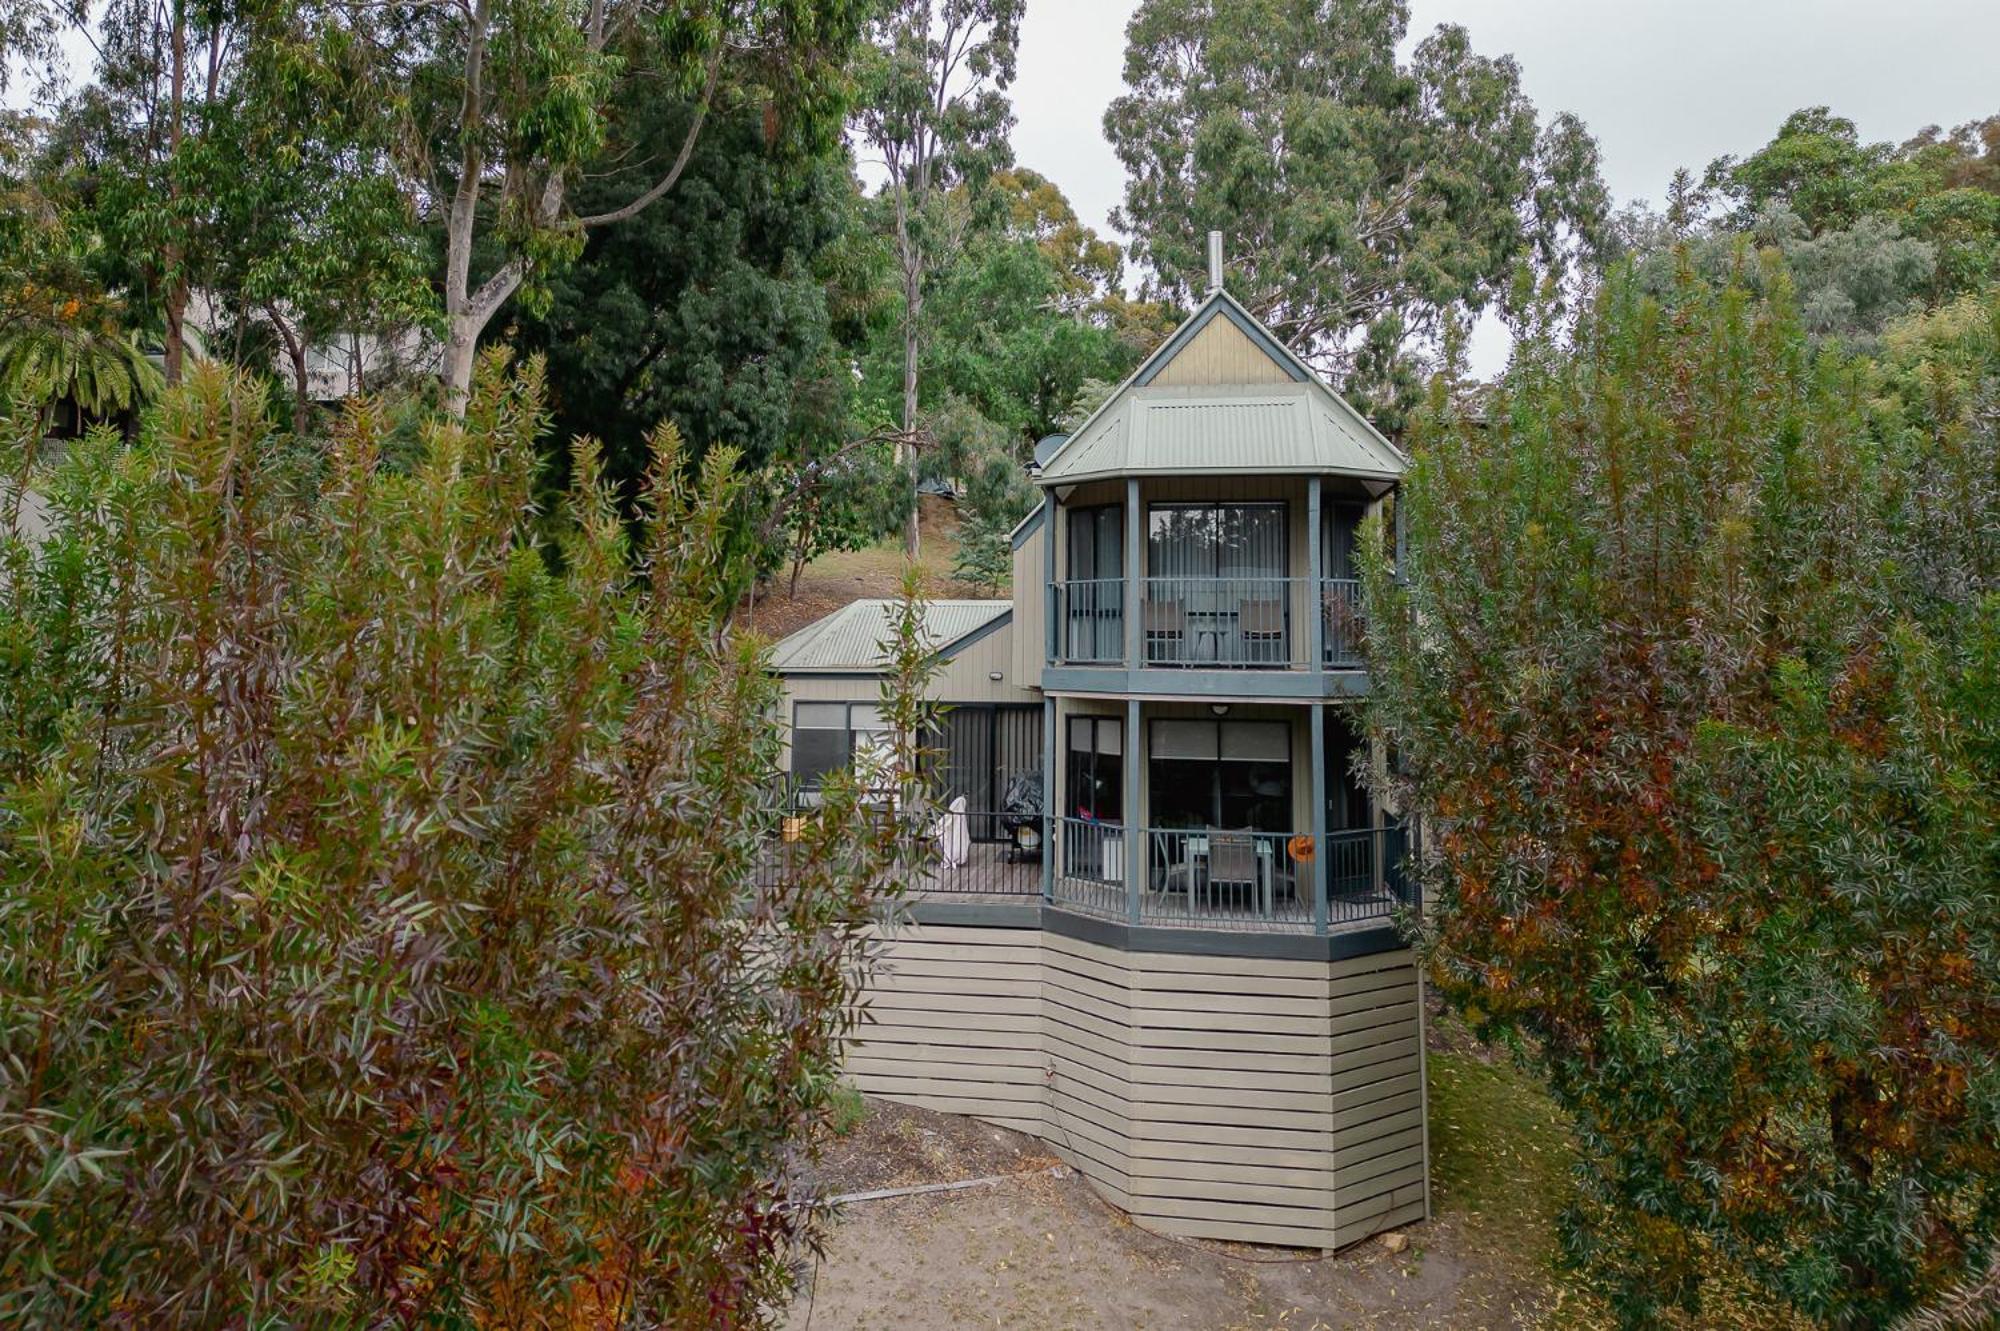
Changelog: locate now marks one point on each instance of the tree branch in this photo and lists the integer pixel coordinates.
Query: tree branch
(667, 182)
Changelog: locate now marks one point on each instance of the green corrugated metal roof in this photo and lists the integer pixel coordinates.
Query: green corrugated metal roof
(850, 639)
(1249, 428)
(1302, 426)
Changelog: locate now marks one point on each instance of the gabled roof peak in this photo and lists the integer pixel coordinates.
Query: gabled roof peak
(1337, 438)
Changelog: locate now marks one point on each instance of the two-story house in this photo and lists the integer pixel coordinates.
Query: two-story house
(1184, 974)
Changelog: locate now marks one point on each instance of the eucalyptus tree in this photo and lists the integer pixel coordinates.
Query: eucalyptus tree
(1368, 200)
(934, 106)
(499, 106)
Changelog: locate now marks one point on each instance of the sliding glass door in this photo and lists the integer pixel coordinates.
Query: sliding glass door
(1216, 588)
(1094, 594)
(1223, 774)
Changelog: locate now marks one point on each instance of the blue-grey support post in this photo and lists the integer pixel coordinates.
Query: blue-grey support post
(1320, 791)
(1134, 551)
(1315, 583)
(1049, 609)
(1396, 493)
(1135, 825)
(1051, 773)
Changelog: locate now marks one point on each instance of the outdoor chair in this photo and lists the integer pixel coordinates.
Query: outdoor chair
(1166, 624)
(1232, 863)
(1261, 626)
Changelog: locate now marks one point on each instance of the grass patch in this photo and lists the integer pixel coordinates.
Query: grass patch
(1500, 1153)
(1501, 1161)
(846, 1110)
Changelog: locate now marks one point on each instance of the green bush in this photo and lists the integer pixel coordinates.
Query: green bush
(1694, 681)
(381, 931)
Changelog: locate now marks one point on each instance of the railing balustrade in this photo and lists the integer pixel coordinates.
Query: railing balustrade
(1343, 622)
(1249, 623)
(942, 862)
(1090, 620)
(1090, 866)
(1210, 878)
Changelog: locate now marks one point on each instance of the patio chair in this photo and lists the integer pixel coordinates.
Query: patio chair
(1166, 624)
(1261, 626)
(1232, 863)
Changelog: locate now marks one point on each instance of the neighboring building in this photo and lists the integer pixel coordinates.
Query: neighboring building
(1197, 995)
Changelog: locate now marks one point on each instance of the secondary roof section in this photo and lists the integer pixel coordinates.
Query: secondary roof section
(850, 640)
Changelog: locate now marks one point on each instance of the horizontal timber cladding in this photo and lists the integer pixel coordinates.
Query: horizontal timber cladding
(1265, 1100)
(951, 1020)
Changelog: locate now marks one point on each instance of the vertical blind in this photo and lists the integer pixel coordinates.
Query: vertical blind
(1216, 541)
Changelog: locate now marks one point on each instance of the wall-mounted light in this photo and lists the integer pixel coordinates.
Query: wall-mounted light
(995, 676)
(1219, 708)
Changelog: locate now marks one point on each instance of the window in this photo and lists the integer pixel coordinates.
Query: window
(1340, 540)
(1095, 596)
(828, 736)
(1234, 774)
(1216, 540)
(1096, 542)
(1094, 786)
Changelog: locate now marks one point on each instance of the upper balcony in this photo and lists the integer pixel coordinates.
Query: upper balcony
(1257, 594)
(1210, 624)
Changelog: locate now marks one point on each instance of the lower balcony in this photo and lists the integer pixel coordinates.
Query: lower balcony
(1220, 878)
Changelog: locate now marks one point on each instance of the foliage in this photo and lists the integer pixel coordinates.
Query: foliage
(993, 494)
(1693, 685)
(1939, 189)
(1849, 285)
(1368, 202)
(713, 313)
(934, 105)
(61, 337)
(846, 1111)
(382, 938)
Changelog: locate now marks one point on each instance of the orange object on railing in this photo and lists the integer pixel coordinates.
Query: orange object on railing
(1300, 848)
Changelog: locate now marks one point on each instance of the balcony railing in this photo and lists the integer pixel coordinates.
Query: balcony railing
(1342, 622)
(1233, 623)
(1247, 623)
(1217, 879)
(1090, 621)
(943, 863)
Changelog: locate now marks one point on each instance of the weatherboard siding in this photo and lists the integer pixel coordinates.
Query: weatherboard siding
(1259, 1100)
(1221, 353)
(1029, 633)
(952, 1022)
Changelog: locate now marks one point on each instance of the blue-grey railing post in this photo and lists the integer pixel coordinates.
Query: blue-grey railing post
(1049, 804)
(1135, 825)
(1050, 610)
(1134, 552)
(1315, 582)
(1321, 850)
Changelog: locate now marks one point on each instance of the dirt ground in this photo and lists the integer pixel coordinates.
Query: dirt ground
(1041, 1250)
(1045, 1252)
(851, 575)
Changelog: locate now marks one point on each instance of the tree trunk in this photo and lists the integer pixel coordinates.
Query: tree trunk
(295, 349)
(906, 447)
(177, 287)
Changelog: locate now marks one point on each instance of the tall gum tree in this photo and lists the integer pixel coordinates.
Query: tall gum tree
(1368, 200)
(497, 106)
(935, 109)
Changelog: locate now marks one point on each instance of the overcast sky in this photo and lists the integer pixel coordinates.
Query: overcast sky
(1661, 83)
